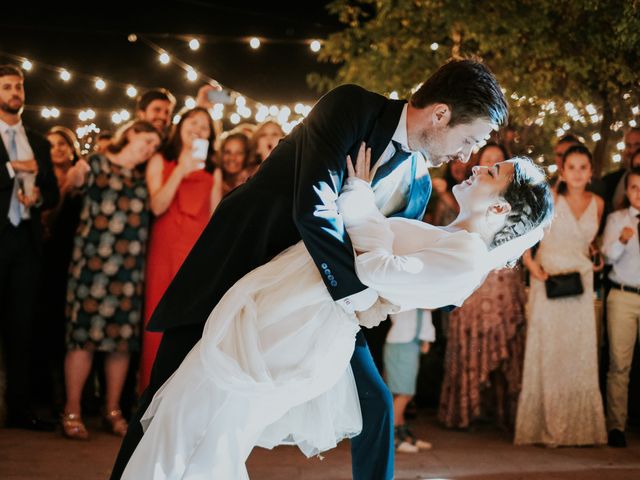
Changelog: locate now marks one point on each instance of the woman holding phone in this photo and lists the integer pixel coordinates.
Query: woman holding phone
(184, 190)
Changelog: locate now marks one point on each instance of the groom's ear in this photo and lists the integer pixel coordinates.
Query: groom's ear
(441, 114)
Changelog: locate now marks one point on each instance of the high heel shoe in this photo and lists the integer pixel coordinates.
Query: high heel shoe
(115, 423)
(73, 427)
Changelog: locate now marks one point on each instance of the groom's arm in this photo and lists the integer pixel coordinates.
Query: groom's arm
(333, 129)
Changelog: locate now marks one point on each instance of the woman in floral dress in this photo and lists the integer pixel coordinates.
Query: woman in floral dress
(104, 294)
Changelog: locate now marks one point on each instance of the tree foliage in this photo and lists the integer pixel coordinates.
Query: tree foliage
(581, 51)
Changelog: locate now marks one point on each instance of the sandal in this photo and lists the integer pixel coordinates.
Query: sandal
(115, 423)
(73, 427)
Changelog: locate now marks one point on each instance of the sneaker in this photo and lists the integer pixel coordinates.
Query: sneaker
(421, 444)
(617, 439)
(406, 447)
(402, 443)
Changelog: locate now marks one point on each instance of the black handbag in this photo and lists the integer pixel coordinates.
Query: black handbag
(564, 285)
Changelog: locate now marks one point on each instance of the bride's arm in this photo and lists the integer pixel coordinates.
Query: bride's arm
(436, 268)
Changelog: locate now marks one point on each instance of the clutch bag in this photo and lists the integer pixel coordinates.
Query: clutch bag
(564, 285)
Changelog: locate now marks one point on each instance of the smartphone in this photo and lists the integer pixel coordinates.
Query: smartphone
(199, 149)
(219, 96)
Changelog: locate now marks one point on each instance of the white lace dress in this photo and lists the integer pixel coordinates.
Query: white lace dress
(272, 366)
(560, 402)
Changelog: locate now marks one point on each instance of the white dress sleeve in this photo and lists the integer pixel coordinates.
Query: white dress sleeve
(410, 263)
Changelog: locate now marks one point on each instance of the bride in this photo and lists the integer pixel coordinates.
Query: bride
(272, 366)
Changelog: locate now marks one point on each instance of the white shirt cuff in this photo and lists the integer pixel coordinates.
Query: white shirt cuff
(12, 172)
(358, 302)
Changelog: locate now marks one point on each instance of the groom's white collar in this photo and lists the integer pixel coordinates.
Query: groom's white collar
(400, 135)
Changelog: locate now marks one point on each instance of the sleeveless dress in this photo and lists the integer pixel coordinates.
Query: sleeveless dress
(560, 402)
(272, 366)
(173, 234)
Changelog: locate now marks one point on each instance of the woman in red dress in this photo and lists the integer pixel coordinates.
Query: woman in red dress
(184, 190)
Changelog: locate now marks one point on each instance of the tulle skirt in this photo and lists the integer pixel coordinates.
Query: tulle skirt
(272, 368)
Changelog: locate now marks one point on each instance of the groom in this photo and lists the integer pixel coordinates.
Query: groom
(292, 197)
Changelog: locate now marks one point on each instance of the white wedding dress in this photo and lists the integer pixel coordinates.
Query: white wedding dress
(272, 366)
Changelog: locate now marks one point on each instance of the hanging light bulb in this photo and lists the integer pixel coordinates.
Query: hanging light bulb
(27, 65)
(254, 43)
(315, 46)
(194, 44)
(192, 75)
(132, 91)
(100, 84)
(65, 75)
(164, 58)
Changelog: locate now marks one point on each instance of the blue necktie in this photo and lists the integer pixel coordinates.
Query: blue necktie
(14, 206)
(399, 157)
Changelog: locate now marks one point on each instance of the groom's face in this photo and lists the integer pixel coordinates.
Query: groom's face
(441, 143)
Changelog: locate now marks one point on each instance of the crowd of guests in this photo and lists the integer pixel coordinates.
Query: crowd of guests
(90, 244)
(520, 356)
(92, 248)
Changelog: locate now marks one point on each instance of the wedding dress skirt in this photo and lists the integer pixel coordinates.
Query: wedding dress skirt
(272, 368)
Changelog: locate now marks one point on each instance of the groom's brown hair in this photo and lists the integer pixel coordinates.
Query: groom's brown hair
(469, 89)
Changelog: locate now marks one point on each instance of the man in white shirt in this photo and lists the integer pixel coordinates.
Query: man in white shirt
(27, 186)
(621, 248)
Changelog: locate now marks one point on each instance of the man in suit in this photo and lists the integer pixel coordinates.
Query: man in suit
(27, 186)
(292, 197)
(614, 181)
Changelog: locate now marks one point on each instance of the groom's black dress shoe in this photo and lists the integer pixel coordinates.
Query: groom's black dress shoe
(617, 439)
(31, 423)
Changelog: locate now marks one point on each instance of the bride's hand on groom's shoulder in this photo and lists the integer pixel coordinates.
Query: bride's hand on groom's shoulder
(362, 169)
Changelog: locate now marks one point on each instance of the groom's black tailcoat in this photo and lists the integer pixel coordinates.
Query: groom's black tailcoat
(291, 197)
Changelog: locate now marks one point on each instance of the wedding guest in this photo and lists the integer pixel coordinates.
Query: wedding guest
(234, 160)
(183, 193)
(102, 141)
(104, 295)
(620, 247)
(485, 343)
(560, 402)
(59, 224)
(264, 139)
(411, 334)
(156, 107)
(614, 181)
(27, 188)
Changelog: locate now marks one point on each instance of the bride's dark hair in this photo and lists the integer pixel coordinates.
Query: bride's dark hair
(530, 198)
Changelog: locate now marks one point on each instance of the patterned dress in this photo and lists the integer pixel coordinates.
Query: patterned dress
(485, 335)
(560, 403)
(104, 294)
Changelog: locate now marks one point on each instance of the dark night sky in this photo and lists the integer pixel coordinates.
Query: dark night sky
(95, 42)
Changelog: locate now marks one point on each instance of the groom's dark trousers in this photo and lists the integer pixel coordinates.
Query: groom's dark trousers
(290, 198)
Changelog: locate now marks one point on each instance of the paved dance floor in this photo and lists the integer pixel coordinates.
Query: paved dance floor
(485, 453)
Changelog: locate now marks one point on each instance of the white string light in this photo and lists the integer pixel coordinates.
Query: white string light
(434, 46)
(100, 84)
(192, 75)
(254, 43)
(315, 46)
(194, 44)
(27, 65)
(164, 58)
(190, 103)
(235, 118)
(132, 91)
(65, 75)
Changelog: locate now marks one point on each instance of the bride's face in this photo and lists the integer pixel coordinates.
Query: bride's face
(483, 189)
